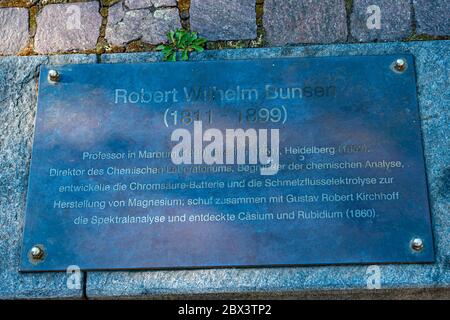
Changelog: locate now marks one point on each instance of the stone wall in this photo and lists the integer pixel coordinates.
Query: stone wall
(30, 27)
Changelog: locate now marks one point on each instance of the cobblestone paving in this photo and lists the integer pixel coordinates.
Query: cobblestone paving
(29, 27)
(145, 20)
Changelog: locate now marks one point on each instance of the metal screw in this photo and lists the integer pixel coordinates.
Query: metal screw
(53, 75)
(400, 65)
(417, 244)
(37, 252)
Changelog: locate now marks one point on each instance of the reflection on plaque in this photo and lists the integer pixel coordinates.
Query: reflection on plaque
(227, 163)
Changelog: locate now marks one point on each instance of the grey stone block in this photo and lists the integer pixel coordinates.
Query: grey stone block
(13, 30)
(432, 17)
(140, 4)
(149, 25)
(305, 21)
(395, 20)
(397, 280)
(18, 85)
(67, 27)
(224, 19)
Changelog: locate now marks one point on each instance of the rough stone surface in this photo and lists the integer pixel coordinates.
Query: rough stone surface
(432, 17)
(17, 109)
(399, 281)
(304, 21)
(68, 27)
(395, 16)
(149, 25)
(224, 19)
(139, 4)
(13, 30)
(18, 76)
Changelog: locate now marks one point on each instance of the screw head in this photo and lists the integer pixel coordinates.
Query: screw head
(400, 64)
(37, 253)
(417, 244)
(53, 76)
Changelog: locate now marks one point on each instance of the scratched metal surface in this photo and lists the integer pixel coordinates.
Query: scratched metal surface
(372, 105)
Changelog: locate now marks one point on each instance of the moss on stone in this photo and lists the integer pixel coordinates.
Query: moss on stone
(108, 3)
(138, 46)
(425, 37)
(32, 22)
(114, 49)
(184, 5)
(16, 3)
(348, 5)
(101, 46)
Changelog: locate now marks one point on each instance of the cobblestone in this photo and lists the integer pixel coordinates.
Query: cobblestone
(13, 30)
(68, 27)
(305, 21)
(149, 25)
(224, 19)
(46, 27)
(381, 20)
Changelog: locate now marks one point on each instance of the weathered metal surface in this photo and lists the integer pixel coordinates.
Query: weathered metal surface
(363, 108)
